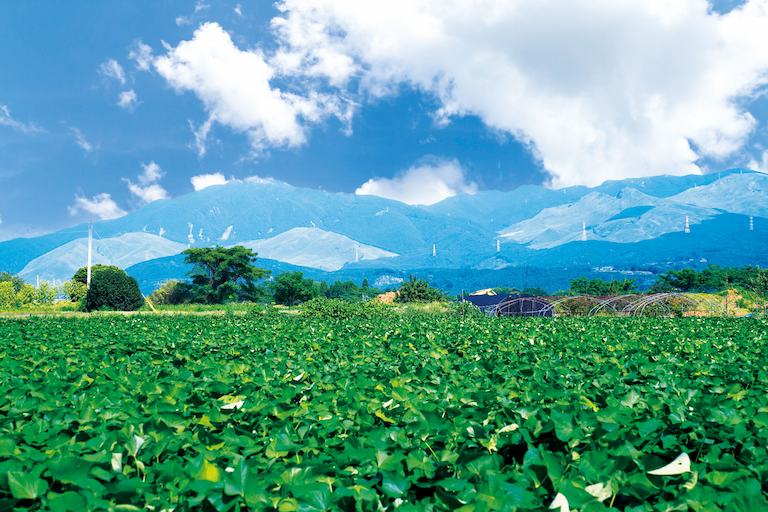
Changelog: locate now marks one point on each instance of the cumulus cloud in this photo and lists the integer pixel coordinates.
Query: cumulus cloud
(202, 181)
(127, 99)
(101, 206)
(82, 141)
(235, 86)
(6, 119)
(148, 189)
(112, 69)
(141, 55)
(596, 89)
(421, 184)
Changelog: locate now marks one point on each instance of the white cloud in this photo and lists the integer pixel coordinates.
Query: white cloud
(760, 165)
(101, 206)
(151, 173)
(81, 141)
(113, 69)
(421, 184)
(202, 181)
(149, 193)
(148, 189)
(238, 9)
(127, 99)
(6, 119)
(141, 55)
(236, 90)
(227, 233)
(597, 89)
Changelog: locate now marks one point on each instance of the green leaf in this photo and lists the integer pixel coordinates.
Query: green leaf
(25, 486)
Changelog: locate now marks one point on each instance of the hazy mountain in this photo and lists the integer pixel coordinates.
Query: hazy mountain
(631, 225)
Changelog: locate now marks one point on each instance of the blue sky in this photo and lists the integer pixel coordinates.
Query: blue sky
(443, 99)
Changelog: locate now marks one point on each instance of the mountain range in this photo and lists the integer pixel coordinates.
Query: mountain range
(530, 236)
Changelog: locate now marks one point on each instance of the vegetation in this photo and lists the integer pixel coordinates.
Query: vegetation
(292, 288)
(418, 290)
(223, 274)
(599, 287)
(713, 279)
(113, 289)
(430, 412)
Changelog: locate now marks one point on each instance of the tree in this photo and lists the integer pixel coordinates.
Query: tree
(418, 290)
(15, 281)
(171, 292)
(220, 274)
(75, 290)
(585, 286)
(81, 276)
(8, 297)
(291, 288)
(113, 289)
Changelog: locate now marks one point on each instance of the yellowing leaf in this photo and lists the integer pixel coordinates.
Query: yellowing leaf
(209, 472)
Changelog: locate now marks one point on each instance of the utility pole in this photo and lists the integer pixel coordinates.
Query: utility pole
(90, 256)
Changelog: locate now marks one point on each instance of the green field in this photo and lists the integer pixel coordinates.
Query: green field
(414, 412)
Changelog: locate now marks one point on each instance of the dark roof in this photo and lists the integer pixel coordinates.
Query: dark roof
(483, 301)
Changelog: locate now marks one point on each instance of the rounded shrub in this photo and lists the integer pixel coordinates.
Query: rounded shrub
(113, 289)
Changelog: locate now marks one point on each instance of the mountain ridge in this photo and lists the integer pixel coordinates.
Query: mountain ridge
(320, 230)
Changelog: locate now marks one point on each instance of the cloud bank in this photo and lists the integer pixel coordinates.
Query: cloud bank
(422, 184)
(598, 89)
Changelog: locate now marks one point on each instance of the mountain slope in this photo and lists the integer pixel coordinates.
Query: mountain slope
(630, 223)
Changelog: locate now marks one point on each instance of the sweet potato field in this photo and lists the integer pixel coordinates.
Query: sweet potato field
(412, 412)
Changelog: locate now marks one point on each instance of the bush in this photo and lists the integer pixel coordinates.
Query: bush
(465, 309)
(75, 290)
(418, 290)
(113, 289)
(171, 293)
(341, 309)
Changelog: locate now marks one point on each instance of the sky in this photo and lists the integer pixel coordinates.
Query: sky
(107, 106)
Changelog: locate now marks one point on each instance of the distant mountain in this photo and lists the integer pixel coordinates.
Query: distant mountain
(633, 226)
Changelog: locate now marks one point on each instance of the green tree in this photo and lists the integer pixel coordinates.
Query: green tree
(26, 295)
(75, 290)
(220, 274)
(45, 294)
(113, 289)
(81, 276)
(292, 288)
(8, 297)
(598, 287)
(171, 292)
(418, 290)
(16, 281)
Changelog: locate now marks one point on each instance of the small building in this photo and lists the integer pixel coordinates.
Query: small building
(486, 303)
